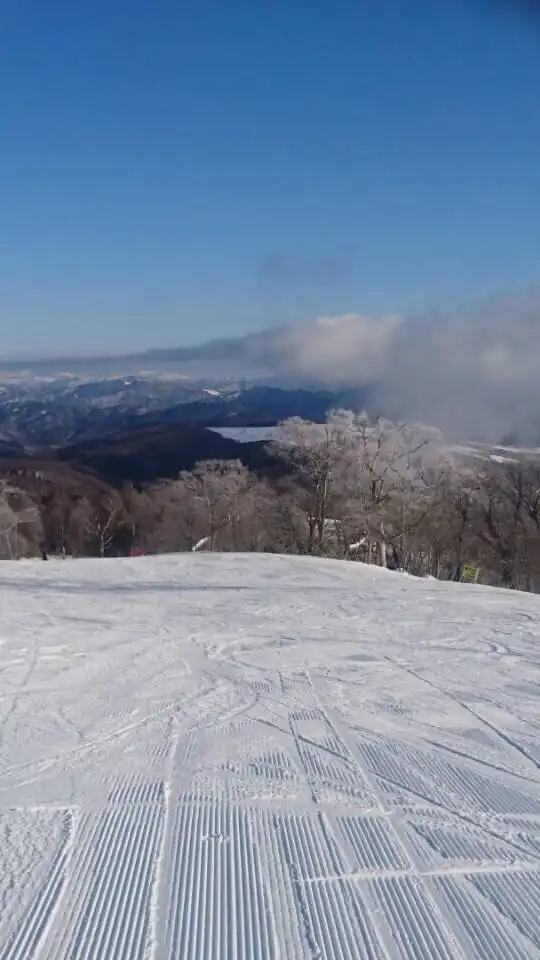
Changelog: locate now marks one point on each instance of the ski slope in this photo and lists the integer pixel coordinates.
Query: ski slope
(213, 757)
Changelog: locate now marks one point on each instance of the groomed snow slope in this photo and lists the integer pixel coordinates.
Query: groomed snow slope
(223, 757)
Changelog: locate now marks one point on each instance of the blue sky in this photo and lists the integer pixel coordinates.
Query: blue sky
(175, 171)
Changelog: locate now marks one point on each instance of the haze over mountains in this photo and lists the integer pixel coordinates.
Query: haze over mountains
(473, 373)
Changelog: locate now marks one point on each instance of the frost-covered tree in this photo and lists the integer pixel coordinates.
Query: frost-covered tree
(388, 472)
(213, 492)
(360, 481)
(313, 453)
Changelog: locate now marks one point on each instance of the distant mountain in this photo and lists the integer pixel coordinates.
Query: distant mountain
(331, 350)
(144, 428)
(257, 406)
(471, 370)
(37, 415)
(160, 452)
(237, 357)
(141, 456)
(10, 448)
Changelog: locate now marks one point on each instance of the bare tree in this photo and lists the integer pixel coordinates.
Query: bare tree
(360, 482)
(19, 518)
(351, 487)
(376, 481)
(173, 521)
(8, 522)
(446, 539)
(529, 480)
(57, 513)
(313, 452)
(287, 528)
(142, 511)
(106, 519)
(214, 491)
(392, 481)
(501, 517)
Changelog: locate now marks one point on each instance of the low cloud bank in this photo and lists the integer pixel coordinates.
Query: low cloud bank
(474, 373)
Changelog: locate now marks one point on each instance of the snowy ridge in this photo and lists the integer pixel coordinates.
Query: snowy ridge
(228, 757)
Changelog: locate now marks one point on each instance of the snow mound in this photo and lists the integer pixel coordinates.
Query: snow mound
(259, 757)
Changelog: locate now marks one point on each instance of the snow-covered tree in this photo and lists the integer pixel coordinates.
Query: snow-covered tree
(313, 452)
(359, 481)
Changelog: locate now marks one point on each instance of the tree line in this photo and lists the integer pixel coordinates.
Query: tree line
(352, 488)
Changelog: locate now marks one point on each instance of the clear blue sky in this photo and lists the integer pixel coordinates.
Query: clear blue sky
(175, 171)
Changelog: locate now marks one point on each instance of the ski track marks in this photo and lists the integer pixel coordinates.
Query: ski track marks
(266, 758)
(218, 905)
(487, 934)
(25, 942)
(409, 920)
(107, 900)
(332, 917)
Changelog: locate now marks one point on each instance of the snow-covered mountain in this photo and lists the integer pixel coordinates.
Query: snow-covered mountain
(471, 371)
(225, 757)
(55, 411)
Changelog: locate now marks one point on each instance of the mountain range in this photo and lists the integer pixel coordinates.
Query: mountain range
(139, 429)
(471, 372)
(35, 415)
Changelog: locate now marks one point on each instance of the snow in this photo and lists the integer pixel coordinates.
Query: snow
(220, 757)
(249, 434)
(472, 451)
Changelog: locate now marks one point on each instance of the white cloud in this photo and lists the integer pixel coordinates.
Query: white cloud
(346, 348)
(474, 373)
